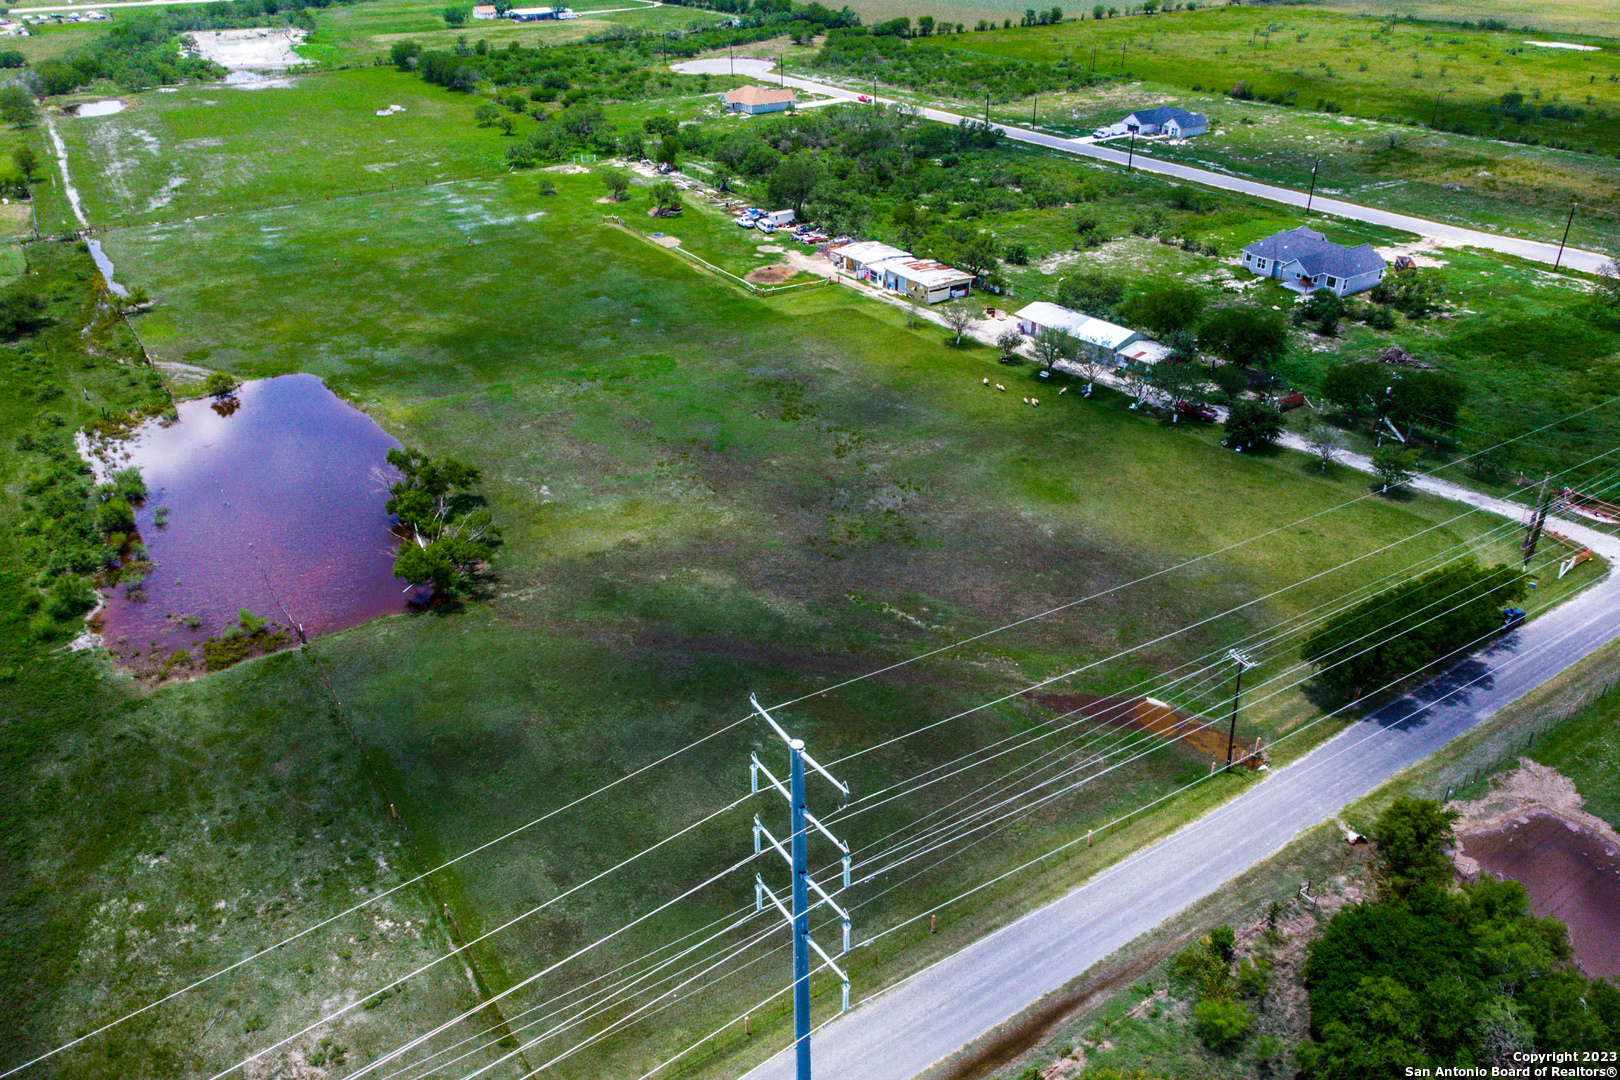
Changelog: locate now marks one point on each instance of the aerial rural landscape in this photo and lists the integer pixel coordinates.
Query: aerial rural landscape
(724, 538)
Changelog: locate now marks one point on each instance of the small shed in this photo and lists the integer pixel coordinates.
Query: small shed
(1102, 336)
(1144, 350)
(754, 100)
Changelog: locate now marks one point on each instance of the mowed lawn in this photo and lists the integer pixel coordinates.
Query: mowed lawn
(706, 495)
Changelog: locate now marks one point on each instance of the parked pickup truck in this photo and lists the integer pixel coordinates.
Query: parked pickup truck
(1193, 411)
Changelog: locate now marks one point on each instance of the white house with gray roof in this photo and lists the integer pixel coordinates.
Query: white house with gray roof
(1166, 120)
(1306, 261)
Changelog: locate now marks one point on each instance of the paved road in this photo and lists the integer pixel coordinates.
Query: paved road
(902, 1031)
(1447, 234)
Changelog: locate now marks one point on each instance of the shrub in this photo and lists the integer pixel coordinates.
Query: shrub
(219, 384)
(1252, 426)
(1221, 942)
(1220, 1023)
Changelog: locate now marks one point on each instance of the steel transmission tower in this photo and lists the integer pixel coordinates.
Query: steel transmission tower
(796, 855)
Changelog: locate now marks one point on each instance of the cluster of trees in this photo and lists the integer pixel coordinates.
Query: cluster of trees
(451, 533)
(1432, 976)
(1366, 391)
(142, 50)
(1406, 629)
(899, 59)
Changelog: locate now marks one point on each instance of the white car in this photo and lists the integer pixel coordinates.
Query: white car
(1101, 133)
(746, 223)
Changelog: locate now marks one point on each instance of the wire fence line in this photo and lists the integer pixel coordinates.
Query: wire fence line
(753, 287)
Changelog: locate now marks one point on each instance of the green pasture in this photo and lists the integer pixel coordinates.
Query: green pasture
(705, 494)
(1366, 67)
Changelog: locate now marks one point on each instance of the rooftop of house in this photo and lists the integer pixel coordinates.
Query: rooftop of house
(1167, 112)
(1093, 331)
(925, 272)
(1317, 254)
(868, 251)
(757, 95)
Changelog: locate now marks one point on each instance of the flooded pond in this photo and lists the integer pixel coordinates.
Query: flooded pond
(1571, 875)
(99, 108)
(105, 265)
(271, 500)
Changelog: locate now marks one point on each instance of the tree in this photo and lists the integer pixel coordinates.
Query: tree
(669, 151)
(634, 148)
(1251, 425)
(1412, 835)
(1404, 629)
(1136, 378)
(1094, 292)
(1051, 345)
(617, 182)
(505, 124)
(1325, 441)
(1181, 381)
(1394, 465)
(436, 499)
(1094, 362)
(1434, 396)
(26, 158)
(404, 54)
(1009, 342)
(17, 107)
(974, 250)
(665, 195)
(959, 317)
(1324, 308)
(220, 384)
(457, 14)
(485, 114)
(1164, 308)
(1356, 389)
(1098, 11)
(1246, 336)
(721, 178)
(925, 26)
(794, 181)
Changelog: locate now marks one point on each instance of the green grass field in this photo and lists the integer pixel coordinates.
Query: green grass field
(704, 494)
(695, 488)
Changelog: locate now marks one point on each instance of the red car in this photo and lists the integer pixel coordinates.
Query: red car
(863, 97)
(1194, 411)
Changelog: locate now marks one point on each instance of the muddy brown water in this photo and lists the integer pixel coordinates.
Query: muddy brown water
(275, 504)
(1571, 875)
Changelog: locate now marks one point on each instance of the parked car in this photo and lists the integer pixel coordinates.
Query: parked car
(1101, 133)
(1512, 617)
(864, 98)
(1194, 411)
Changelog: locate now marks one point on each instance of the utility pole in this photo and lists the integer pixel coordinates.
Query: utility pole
(1130, 155)
(1244, 664)
(1567, 223)
(1538, 518)
(1034, 105)
(796, 855)
(986, 110)
(781, 69)
(1312, 194)
(732, 56)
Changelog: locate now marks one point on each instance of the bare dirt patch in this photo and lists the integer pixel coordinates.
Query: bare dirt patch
(261, 49)
(1421, 252)
(667, 241)
(775, 274)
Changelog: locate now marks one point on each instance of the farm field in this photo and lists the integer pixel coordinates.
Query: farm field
(703, 494)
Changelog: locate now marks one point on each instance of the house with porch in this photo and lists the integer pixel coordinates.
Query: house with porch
(1165, 120)
(1305, 261)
